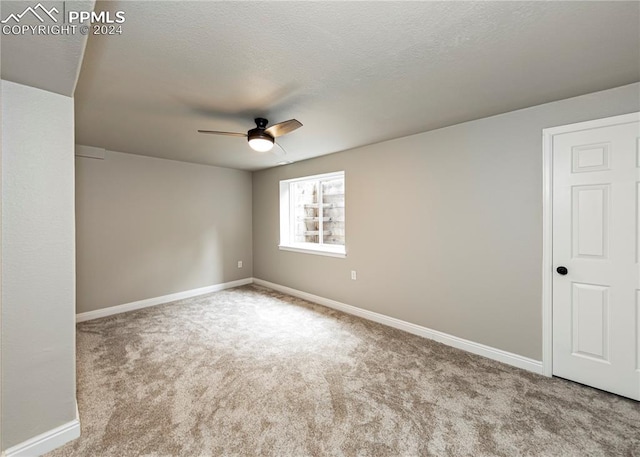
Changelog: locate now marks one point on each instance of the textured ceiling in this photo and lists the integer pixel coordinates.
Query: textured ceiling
(50, 62)
(353, 73)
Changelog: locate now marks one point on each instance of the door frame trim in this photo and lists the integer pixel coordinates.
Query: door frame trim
(547, 223)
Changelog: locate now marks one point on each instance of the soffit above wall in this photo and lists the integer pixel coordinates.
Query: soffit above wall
(47, 61)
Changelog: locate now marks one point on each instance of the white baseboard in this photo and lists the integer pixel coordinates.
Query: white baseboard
(104, 312)
(450, 340)
(47, 441)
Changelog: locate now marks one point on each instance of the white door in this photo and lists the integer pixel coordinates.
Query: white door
(596, 219)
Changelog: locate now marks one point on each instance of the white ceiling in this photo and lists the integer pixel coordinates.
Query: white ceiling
(353, 73)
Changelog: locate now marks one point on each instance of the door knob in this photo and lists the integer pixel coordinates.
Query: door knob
(562, 270)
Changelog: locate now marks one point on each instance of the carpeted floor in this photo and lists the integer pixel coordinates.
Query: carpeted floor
(251, 372)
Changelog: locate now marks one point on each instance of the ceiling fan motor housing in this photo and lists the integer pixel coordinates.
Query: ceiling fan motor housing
(256, 133)
(259, 131)
(258, 138)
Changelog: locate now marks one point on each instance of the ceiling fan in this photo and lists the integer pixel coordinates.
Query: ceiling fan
(261, 138)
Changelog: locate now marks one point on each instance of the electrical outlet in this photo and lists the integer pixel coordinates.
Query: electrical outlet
(353, 275)
(239, 263)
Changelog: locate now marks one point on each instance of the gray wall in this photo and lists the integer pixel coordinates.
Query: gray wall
(149, 227)
(38, 276)
(444, 228)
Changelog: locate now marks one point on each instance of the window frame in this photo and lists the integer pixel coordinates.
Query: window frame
(287, 222)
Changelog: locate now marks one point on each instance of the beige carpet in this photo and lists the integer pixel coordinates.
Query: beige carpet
(250, 372)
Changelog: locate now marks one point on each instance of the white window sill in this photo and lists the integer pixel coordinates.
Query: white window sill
(340, 253)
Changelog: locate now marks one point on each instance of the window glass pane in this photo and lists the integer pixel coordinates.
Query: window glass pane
(333, 211)
(305, 213)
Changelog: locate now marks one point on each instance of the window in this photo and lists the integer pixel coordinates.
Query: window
(312, 214)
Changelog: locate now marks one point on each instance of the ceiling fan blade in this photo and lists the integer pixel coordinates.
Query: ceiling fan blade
(279, 151)
(214, 132)
(283, 128)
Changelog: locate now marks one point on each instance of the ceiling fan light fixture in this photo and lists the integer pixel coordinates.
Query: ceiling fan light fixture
(259, 140)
